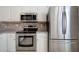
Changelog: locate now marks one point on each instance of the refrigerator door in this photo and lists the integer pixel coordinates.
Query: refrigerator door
(67, 22)
(52, 18)
(63, 29)
(56, 22)
(63, 23)
(73, 23)
(59, 23)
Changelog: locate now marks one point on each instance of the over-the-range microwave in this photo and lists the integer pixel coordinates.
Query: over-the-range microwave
(28, 16)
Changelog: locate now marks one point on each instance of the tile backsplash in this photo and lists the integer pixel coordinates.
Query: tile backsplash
(18, 26)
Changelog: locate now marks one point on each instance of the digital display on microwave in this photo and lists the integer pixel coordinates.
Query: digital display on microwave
(28, 17)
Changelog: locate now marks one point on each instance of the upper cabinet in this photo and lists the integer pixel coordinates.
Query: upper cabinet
(15, 13)
(4, 13)
(12, 13)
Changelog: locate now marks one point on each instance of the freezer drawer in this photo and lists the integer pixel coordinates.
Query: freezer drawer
(63, 45)
(74, 45)
(56, 45)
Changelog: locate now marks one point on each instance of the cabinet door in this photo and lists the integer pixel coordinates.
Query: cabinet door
(41, 42)
(3, 42)
(11, 42)
(15, 12)
(4, 13)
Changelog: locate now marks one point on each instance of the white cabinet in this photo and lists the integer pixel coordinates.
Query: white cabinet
(11, 42)
(7, 42)
(18, 10)
(3, 42)
(42, 41)
(4, 13)
(15, 13)
(9, 13)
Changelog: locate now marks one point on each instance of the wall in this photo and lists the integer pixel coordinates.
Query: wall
(12, 13)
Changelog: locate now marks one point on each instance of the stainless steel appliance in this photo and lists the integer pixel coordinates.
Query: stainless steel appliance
(26, 39)
(26, 42)
(28, 17)
(63, 28)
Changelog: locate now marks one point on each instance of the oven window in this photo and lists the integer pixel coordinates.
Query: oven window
(25, 41)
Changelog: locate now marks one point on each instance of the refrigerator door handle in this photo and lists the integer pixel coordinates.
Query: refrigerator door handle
(64, 22)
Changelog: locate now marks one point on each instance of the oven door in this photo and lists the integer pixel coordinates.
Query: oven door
(26, 42)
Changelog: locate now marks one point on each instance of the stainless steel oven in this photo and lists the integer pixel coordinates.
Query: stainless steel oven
(25, 41)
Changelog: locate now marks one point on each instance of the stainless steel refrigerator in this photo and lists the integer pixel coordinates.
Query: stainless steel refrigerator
(63, 28)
